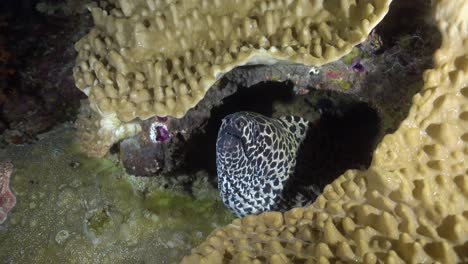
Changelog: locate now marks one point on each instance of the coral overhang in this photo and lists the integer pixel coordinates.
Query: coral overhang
(147, 58)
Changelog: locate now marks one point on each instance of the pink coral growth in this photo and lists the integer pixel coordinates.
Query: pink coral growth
(334, 74)
(301, 91)
(7, 198)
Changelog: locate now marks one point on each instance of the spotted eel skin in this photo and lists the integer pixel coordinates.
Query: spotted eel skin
(255, 158)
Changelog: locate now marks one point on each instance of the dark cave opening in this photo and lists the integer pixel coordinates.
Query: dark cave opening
(336, 143)
(343, 137)
(258, 98)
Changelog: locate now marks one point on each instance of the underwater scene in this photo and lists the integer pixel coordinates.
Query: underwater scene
(242, 131)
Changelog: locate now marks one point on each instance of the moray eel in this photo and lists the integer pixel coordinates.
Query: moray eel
(255, 160)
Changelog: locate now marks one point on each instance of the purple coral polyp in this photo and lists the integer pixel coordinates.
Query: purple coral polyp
(357, 66)
(158, 131)
(162, 134)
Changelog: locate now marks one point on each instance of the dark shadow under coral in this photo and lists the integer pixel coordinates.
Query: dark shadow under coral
(336, 143)
(258, 98)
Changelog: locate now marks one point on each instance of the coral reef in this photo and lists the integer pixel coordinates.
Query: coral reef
(76, 209)
(408, 207)
(147, 58)
(385, 87)
(7, 198)
(384, 92)
(37, 53)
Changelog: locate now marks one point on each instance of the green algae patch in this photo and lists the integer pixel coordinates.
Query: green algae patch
(168, 204)
(98, 221)
(344, 84)
(348, 59)
(186, 210)
(75, 209)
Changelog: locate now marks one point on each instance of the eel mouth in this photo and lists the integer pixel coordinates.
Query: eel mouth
(233, 132)
(230, 139)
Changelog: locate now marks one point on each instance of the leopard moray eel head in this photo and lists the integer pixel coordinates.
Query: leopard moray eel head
(255, 156)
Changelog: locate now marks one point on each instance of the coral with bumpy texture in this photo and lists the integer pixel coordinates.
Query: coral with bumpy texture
(408, 207)
(147, 58)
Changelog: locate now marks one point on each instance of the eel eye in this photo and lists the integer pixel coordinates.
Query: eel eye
(240, 124)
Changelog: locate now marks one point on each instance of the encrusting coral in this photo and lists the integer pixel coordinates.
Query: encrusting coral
(408, 207)
(7, 198)
(97, 134)
(159, 58)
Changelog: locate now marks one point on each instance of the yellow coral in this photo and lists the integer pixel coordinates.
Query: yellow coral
(410, 206)
(159, 57)
(97, 134)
